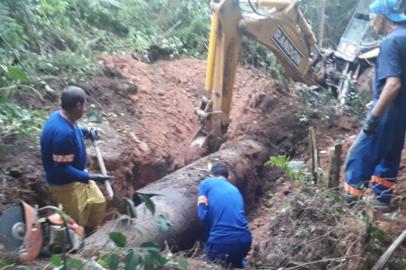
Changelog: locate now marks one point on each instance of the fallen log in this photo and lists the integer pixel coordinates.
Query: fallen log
(175, 199)
(388, 253)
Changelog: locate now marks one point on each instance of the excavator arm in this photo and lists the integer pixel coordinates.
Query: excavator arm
(284, 31)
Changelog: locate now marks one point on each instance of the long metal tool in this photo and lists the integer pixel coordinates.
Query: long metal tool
(107, 183)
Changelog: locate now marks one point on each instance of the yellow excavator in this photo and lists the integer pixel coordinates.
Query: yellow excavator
(282, 28)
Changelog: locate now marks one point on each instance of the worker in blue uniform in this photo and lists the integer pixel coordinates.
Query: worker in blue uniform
(64, 160)
(221, 212)
(375, 156)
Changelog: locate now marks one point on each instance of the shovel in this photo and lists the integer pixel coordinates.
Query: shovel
(107, 183)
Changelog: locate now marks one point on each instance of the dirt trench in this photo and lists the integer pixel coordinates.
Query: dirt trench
(146, 114)
(149, 119)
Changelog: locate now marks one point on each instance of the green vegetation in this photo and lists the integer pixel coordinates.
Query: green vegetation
(53, 42)
(338, 13)
(148, 256)
(14, 118)
(48, 43)
(324, 106)
(294, 169)
(6, 263)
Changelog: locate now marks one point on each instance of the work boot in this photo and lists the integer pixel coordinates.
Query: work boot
(351, 200)
(90, 230)
(383, 207)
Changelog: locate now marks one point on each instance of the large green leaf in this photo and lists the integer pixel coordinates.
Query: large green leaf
(72, 264)
(182, 263)
(150, 246)
(131, 210)
(118, 238)
(16, 73)
(110, 261)
(148, 202)
(153, 259)
(113, 261)
(132, 260)
(157, 257)
(56, 261)
(164, 223)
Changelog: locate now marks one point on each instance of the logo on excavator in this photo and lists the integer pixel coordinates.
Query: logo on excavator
(282, 40)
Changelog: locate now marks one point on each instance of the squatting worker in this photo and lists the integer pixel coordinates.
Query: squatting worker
(375, 156)
(221, 211)
(64, 159)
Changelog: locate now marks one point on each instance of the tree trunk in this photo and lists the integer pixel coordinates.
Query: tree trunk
(176, 196)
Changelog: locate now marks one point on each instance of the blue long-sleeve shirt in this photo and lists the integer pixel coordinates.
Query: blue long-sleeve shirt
(63, 151)
(221, 210)
(391, 63)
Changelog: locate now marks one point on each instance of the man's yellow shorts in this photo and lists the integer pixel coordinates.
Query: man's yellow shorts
(85, 203)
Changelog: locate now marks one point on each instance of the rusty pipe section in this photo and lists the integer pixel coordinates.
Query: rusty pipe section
(175, 199)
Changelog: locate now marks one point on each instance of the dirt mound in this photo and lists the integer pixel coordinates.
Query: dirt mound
(21, 174)
(155, 120)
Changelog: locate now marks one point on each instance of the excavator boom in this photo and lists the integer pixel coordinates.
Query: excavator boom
(282, 28)
(284, 31)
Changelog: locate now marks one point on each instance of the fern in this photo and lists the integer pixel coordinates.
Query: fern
(295, 169)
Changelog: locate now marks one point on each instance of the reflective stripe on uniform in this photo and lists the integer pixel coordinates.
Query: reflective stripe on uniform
(202, 199)
(353, 191)
(385, 183)
(63, 158)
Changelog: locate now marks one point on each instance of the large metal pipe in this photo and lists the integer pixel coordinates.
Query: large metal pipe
(176, 196)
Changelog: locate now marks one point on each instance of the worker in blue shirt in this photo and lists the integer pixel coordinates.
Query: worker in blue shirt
(64, 160)
(221, 211)
(375, 156)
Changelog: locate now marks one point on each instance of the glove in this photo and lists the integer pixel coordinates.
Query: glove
(371, 125)
(91, 133)
(100, 178)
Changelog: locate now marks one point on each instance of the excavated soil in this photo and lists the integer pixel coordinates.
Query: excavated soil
(146, 113)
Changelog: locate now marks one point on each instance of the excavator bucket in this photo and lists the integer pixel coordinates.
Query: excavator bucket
(200, 140)
(211, 132)
(213, 127)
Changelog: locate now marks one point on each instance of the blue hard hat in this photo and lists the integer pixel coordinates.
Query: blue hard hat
(389, 8)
